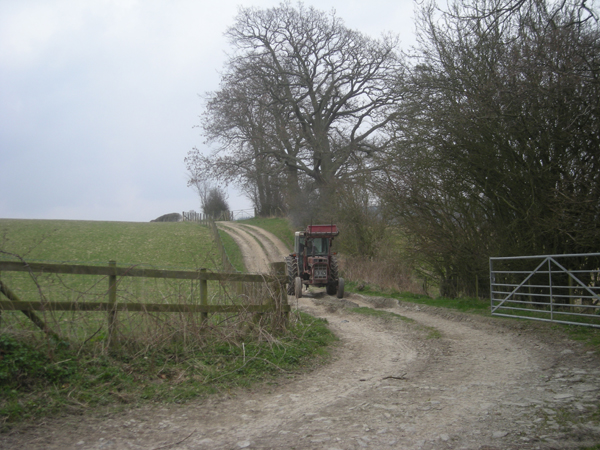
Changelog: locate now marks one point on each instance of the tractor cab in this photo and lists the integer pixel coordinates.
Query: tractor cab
(312, 246)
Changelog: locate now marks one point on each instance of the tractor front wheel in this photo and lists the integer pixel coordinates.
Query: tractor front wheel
(298, 287)
(292, 272)
(331, 288)
(340, 288)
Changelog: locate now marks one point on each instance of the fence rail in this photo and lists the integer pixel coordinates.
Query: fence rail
(76, 269)
(129, 307)
(553, 288)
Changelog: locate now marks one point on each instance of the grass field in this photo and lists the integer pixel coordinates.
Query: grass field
(158, 356)
(178, 244)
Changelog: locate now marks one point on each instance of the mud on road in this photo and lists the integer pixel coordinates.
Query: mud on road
(440, 380)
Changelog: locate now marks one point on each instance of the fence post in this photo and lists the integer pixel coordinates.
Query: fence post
(203, 295)
(112, 300)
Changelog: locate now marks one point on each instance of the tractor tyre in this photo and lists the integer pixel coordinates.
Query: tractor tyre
(340, 290)
(331, 288)
(292, 272)
(298, 287)
(333, 270)
(332, 285)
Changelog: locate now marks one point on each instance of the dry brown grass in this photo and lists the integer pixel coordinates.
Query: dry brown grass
(387, 273)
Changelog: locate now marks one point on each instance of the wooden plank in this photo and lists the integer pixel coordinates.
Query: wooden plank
(30, 314)
(77, 269)
(135, 307)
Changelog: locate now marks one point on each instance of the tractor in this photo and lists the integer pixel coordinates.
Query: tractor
(313, 263)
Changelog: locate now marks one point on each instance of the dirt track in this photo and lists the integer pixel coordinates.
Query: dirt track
(443, 381)
(258, 246)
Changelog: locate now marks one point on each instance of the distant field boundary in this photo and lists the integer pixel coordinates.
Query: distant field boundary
(229, 216)
(275, 304)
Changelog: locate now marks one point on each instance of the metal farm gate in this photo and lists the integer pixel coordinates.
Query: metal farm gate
(552, 288)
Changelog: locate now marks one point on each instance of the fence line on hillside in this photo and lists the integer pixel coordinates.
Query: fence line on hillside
(228, 216)
(193, 216)
(274, 304)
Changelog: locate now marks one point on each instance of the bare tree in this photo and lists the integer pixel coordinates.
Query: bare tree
(216, 203)
(317, 97)
(213, 199)
(237, 120)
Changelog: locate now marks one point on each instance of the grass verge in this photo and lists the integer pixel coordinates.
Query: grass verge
(587, 335)
(470, 305)
(40, 380)
(233, 251)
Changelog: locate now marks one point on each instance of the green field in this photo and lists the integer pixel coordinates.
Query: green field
(179, 244)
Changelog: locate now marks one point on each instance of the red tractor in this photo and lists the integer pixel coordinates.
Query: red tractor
(313, 263)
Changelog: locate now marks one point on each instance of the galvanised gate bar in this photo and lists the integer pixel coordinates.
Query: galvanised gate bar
(553, 288)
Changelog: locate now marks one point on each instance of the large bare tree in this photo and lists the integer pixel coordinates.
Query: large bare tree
(303, 92)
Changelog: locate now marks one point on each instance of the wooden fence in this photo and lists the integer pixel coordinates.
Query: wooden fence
(239, 214)
(193, 216)
(275, 304)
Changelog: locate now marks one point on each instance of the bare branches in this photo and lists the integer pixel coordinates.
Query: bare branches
(303, 92)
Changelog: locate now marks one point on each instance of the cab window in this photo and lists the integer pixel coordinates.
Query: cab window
(318, 246)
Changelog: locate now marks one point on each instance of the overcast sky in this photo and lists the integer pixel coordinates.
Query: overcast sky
(99, 99)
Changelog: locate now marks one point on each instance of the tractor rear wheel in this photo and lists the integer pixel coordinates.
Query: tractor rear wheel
(340, 289)
(292, 272)
(298, 287)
